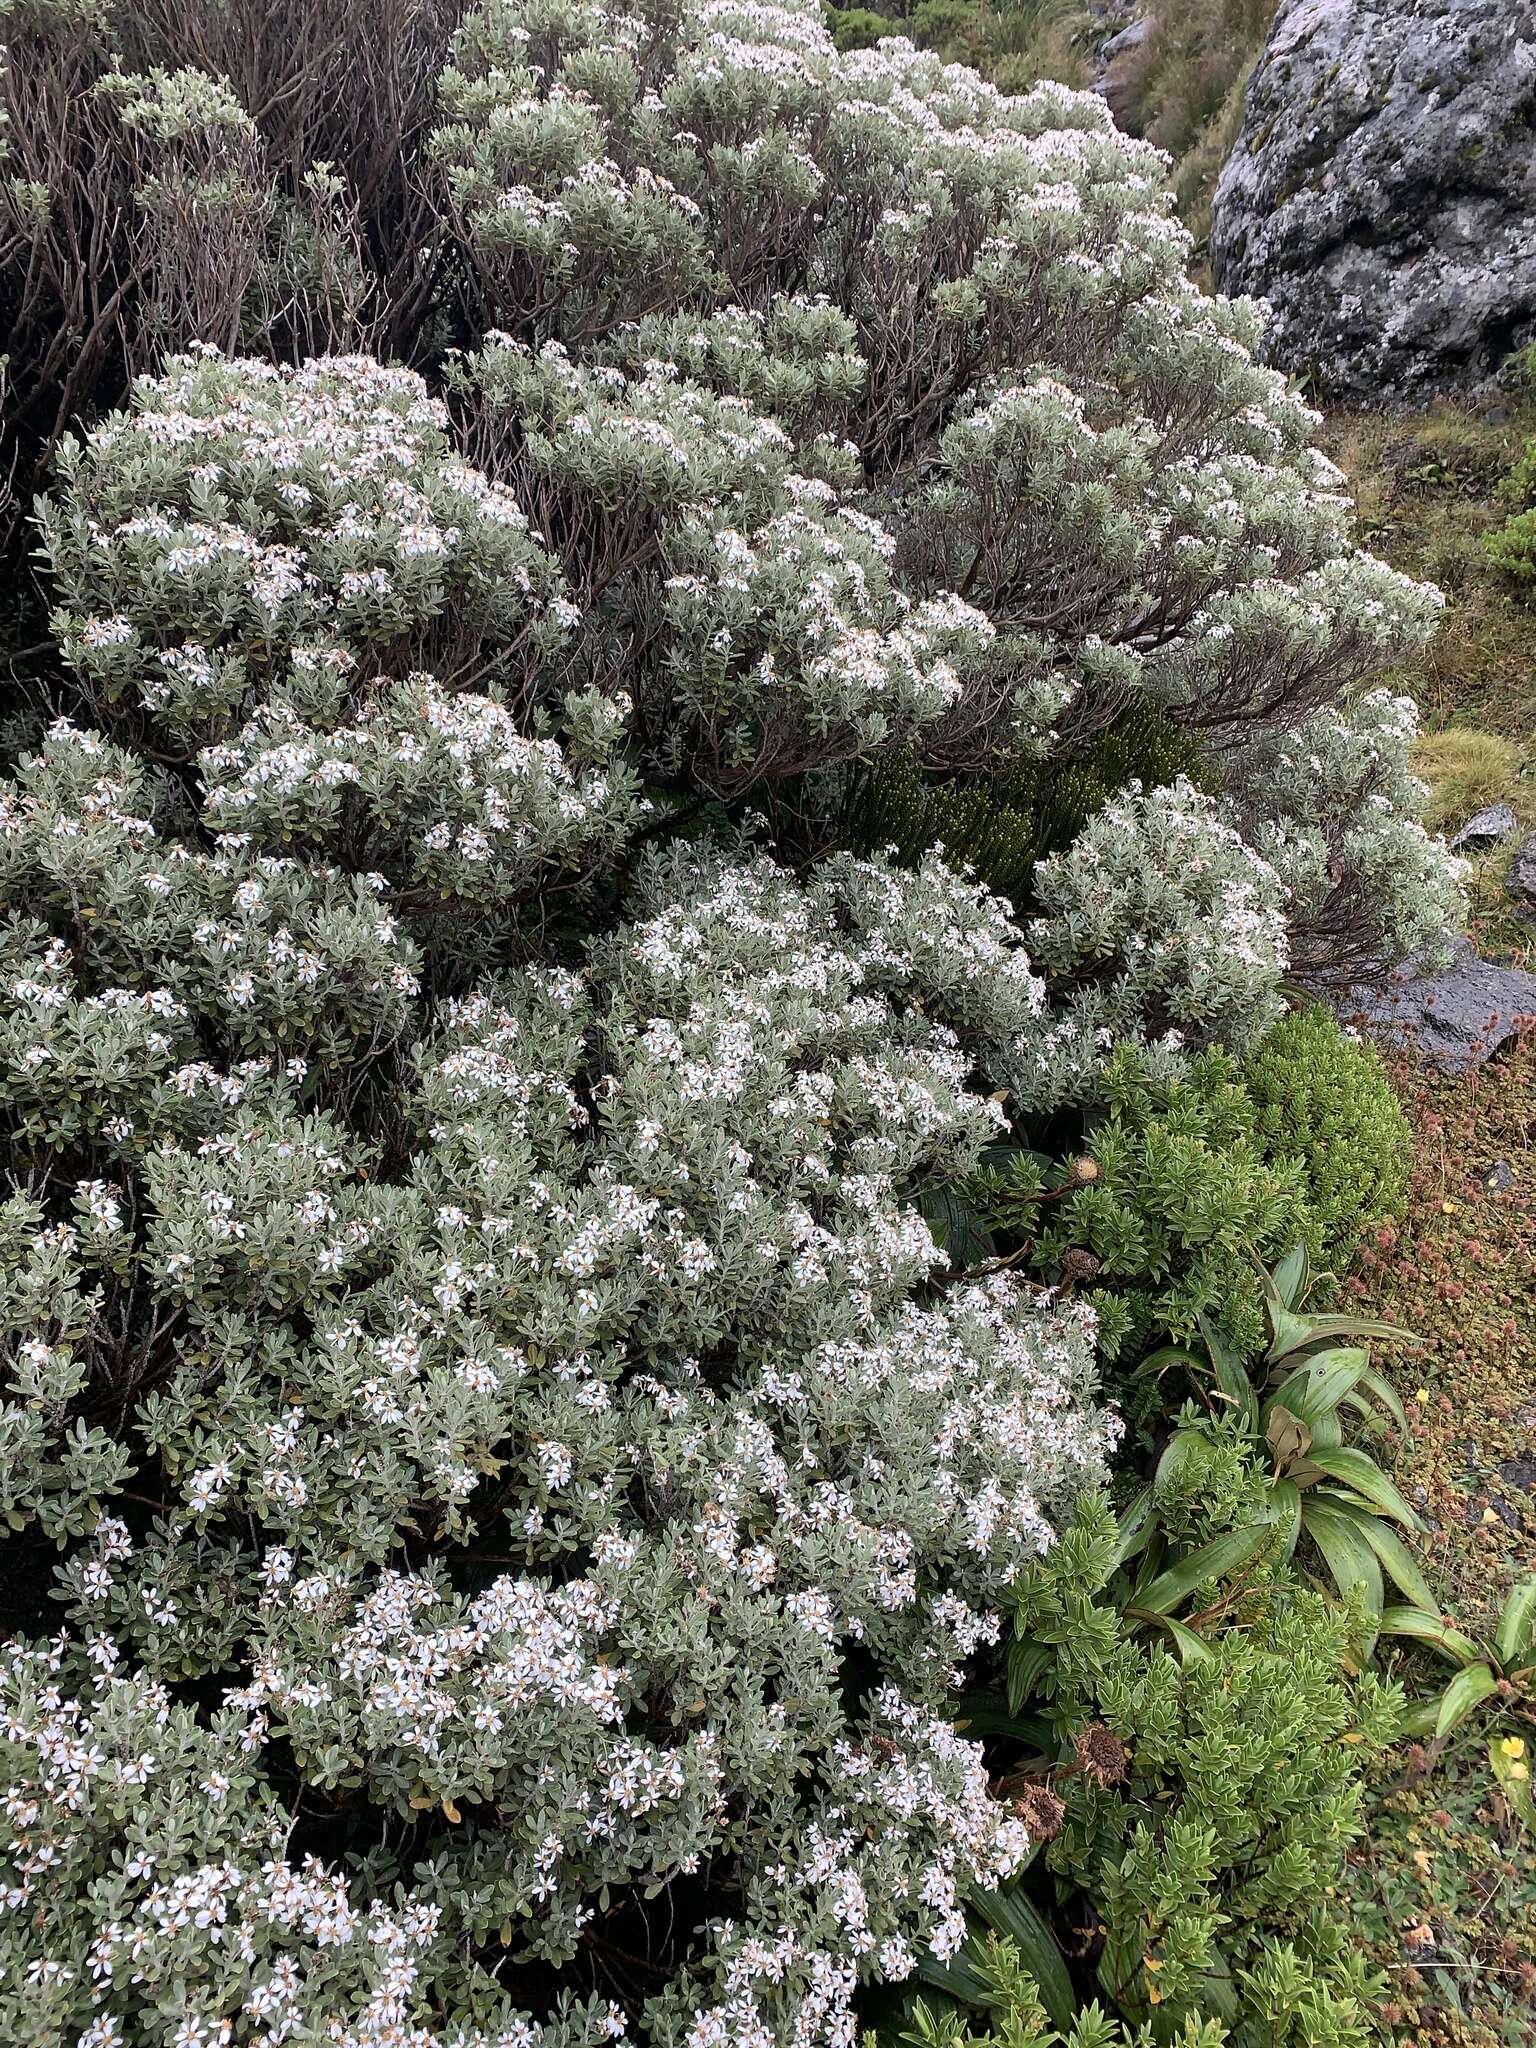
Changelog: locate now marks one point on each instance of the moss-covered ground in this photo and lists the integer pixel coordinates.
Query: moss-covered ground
(1430, 489)
(1445, 1878)
(1444, 1881)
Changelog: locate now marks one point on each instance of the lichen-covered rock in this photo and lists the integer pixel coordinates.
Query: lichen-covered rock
(1382, 192)
(1486, 827)
(1520, 881)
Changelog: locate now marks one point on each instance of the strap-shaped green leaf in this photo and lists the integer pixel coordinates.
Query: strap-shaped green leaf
(1136, 1527)
(1290, 1333)
(1396, 1558)
(1373, 1382)
(1027, 1664)
(1463, 1696)
(1317, 1387)
(1364, 1476)
(1424, 1626)
(960, 1977)
(1285, 1498)
(1156, 1363)
(1350, 1559)
(988, 1716)
(1231, 1374)
(1515, 1637)
(1189, 1647)
(1211, 1561)
(1419, 1719)
(1010, 1913)
(1291, 1276)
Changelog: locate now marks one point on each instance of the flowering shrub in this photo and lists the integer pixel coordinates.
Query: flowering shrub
(639, 1301)
(1335, 806)
(527, 1481)
(1169, 915)
(245, 533)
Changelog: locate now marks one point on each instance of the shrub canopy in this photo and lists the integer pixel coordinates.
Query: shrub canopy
(528, 1478)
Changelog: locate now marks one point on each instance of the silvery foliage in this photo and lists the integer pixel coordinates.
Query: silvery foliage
(983, 299)
(487, 1342)
(1333, 805)
(1159, 920)
(634, 1312)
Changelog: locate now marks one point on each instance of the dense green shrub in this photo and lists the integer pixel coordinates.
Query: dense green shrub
(527, 1483)
(1205, 1167)
(1208, 1801)
(1186, 1199)
(1001, 828)
(1324, 1098)
(1512, 547)
(1015, 2016)
(859, 28)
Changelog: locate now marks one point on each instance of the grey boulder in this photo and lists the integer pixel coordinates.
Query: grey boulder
(1382, 192)
(1126, 34)
(1453, 1018)
(1129, 40)
(1521, 879)
(1485, 827)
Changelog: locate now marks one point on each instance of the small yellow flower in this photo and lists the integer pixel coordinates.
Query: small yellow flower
(1513, 1745)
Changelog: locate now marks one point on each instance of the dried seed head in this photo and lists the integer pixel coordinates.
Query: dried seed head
(1101, 1755)
(1041, 1812)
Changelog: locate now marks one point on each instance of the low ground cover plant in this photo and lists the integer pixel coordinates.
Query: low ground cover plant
(1512, 546)
(515, 1469)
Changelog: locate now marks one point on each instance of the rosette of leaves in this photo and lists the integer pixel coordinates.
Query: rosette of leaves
(1490, 1677)
(1326, 1496)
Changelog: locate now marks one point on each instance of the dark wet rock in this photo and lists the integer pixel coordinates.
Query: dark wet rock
(1453, 1018)
(1519, 1472)
(1382, 192)
(1499, 1178)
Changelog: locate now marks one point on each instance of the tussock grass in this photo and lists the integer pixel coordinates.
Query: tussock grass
(1466, 769)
